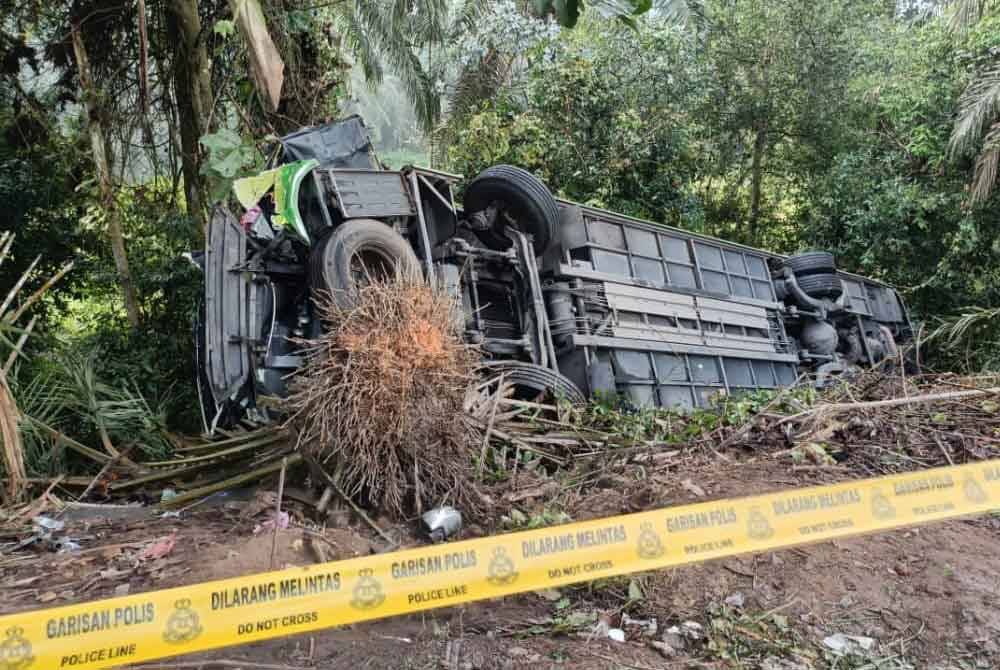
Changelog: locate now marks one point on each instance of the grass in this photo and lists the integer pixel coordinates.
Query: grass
(615, 414)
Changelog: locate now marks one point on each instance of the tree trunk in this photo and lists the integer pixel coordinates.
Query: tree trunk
(193, 94)
(761, 125)
(98, 145)
(757, 176)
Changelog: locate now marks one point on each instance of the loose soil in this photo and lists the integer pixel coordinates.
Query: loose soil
(929, 596)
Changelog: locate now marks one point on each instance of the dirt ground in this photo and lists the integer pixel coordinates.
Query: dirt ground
(926, 597)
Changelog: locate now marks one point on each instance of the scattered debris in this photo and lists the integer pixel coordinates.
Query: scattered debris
(276, 521)
(44, 523)
(552, 595)
(646, 627)
(843, 644)
(442, 523)
(665, 649)
(775, 663)
(735, 600)
(159, 548)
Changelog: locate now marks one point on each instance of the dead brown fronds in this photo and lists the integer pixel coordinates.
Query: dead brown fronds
(12, 308)
(13, 452)
(378, 402)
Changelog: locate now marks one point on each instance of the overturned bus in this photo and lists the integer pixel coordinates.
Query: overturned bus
(564, 298)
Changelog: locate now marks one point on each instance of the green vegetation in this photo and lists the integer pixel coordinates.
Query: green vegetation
(614, 414)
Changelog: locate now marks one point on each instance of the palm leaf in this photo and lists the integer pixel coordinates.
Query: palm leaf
(478, 81)
(984, 177)
(954, 332)
(365, 51)
(468, 15)
(978, 109)
(967, 13)
(394, 30)
(679, 11)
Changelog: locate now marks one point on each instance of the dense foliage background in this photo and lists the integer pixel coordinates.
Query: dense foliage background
(862, 127)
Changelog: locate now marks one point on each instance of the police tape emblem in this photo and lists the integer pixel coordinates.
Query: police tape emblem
(501, 570)
(882, 509)
(758, 527)
(650, 545)
(367, 593)
(974, 493)
(183, 624)
(15, 651)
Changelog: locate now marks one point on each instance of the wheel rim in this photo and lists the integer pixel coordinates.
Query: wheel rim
(370, 264)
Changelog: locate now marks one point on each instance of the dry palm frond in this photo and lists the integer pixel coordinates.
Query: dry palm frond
(10, 416)
(13, 453)
(13, 450)
(379, 400)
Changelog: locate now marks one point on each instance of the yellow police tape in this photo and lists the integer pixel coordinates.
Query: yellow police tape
(245, 609)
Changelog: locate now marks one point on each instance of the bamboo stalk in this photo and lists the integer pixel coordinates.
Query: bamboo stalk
(17, 286)
(232, 482)
(62, 438)
(16, 351)
(34, 297)
(246, 439)
(167, 474)
(201, 459)
(6, 240)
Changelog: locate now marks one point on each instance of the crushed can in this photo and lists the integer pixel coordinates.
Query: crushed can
(442, 523)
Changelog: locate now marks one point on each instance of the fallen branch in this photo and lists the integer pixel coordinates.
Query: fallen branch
(257, 438)
(517, 442)
(277, 510)
(749, 423)
(103, 471)
(836, 408)
(489, 427)
(17, 287)
(318, 470)
(61, 438)
(232, 482)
